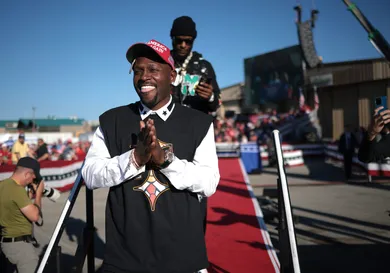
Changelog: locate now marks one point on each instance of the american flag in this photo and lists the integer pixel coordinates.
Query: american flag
(316, 99)
(301, 98)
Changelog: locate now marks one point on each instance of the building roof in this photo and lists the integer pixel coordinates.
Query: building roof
(348, 72)
(3, 123)
(353, 62)
(232, 93)
(49, 122)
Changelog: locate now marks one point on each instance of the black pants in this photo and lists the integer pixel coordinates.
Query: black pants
(348, 164)
(203, 209)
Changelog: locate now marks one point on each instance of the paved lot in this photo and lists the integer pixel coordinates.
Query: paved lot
(339, 227)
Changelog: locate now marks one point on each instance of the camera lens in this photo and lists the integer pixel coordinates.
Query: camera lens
(378, 101)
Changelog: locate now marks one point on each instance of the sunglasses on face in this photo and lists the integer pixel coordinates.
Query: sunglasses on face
(180, 41)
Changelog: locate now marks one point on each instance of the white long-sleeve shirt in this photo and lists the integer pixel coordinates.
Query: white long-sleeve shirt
(201, 175)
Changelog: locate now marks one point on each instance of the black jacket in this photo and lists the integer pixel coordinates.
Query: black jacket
(373, 151)
(352, 144)
(198, 66)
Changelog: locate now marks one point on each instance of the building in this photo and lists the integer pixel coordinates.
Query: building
(346, 92)
(72, 125)
(272, 80)
(232, 98)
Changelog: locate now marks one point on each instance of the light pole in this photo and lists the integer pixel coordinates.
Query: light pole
(33, 119)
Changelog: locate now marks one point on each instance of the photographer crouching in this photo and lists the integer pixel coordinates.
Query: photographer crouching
(17, 214)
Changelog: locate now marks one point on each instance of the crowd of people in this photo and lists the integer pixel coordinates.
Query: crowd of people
(235, 129)
(12, 151)
(251, 128)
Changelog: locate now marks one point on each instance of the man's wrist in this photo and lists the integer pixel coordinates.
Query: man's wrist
(168, 158)
(38, 204)
(160, 161)
(134, 161)
(38, 197)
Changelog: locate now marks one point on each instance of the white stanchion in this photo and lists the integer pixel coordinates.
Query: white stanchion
(286, 201)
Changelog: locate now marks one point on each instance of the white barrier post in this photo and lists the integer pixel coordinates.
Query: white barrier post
(286, 225)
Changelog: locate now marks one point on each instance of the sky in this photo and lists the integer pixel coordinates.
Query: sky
(67, 58)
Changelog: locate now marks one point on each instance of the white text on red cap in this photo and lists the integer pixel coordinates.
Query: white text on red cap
(157, 46)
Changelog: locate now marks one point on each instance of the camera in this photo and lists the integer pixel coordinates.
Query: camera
(48, 192)
(51, 193)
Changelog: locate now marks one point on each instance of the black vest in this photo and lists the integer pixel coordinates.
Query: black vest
(151, 226)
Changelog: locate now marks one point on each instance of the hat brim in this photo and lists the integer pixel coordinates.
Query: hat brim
(135, 50)
(141, 49)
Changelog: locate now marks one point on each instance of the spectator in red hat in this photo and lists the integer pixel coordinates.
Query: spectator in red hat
(5, 155)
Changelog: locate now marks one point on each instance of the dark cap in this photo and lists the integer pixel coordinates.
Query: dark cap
(183, 26)
(31, 163)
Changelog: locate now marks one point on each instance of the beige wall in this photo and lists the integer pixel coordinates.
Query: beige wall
(75, 129)
(232, 106)
(338, 112)
(351, 104)
(325, 115)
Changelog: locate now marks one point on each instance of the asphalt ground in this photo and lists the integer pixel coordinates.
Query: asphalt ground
(340, 226)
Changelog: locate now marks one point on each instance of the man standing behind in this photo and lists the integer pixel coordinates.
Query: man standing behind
(196, 83)
(42, 153)
(17, 214)
(191, 67)
(347, 146)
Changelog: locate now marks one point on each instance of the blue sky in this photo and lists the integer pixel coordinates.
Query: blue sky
(67, 58)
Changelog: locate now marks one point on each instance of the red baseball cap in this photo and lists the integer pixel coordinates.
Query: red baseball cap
(160, 49)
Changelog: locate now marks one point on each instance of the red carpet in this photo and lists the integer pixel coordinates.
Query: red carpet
(235, 241)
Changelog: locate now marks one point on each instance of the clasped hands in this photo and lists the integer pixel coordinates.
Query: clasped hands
(148, 150)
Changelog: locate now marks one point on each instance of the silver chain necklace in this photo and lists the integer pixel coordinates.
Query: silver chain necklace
(183, 68)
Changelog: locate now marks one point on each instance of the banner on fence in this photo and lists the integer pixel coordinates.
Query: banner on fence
(59, 174)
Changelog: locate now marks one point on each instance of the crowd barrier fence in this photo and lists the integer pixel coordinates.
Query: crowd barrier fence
(61, 174)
